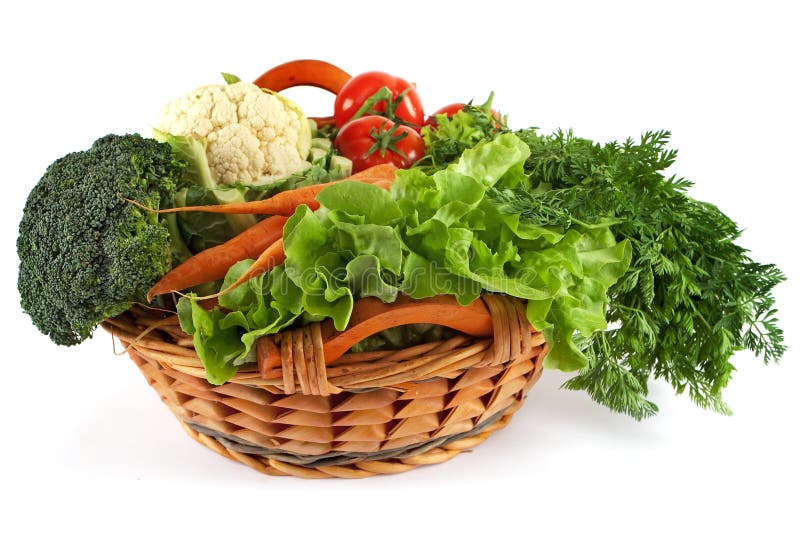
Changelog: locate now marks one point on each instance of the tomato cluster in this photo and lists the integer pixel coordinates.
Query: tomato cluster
(379, 117)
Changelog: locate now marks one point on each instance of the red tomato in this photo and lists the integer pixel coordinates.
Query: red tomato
(404, 99)
(450, 110)
(373, 140)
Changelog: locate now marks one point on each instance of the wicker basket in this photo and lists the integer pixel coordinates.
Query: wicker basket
(360, 415)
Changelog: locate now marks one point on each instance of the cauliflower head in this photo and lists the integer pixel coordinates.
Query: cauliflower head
(253, 136)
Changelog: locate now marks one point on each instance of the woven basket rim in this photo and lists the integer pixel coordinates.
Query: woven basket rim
(157, 335)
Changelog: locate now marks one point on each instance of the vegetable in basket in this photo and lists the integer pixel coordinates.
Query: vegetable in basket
(253, 136)
(378, 93)
(372, 140)
(235, 136)
(428, 235)
(87, 254)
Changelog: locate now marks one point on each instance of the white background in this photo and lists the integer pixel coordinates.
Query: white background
(85, 443)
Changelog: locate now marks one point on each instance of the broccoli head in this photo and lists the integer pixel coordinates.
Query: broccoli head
(85, 252)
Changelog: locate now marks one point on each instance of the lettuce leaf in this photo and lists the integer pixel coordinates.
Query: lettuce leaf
(215, 345)
(429, 235)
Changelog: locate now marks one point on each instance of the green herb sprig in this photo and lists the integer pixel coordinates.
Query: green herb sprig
(691, 297)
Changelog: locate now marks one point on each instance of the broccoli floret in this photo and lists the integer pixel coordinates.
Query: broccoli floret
(87, 254)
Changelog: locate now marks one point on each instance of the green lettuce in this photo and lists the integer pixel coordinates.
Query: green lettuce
(430, 235)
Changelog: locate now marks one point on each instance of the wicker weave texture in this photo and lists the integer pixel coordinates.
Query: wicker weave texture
(382, 412)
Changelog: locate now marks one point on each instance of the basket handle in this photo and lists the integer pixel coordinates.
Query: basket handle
(306, 351)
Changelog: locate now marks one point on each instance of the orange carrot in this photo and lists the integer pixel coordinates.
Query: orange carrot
(305, 72)
(286, 202)
(370, 316)
(213, 263)
(273, 256)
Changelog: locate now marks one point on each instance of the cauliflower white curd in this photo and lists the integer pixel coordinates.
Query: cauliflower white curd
(253, 136)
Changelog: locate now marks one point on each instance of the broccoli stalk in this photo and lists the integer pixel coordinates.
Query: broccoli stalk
(87, 254)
